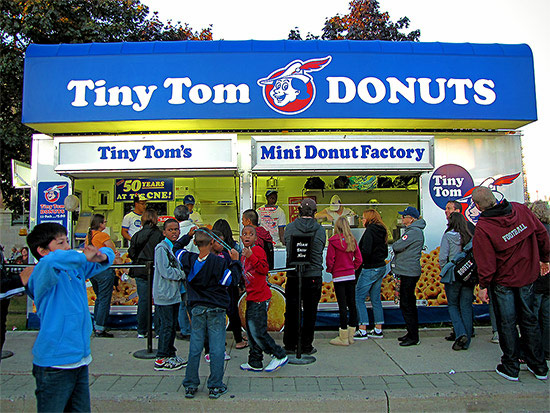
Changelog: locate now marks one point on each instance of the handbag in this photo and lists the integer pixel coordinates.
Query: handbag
(466, 268)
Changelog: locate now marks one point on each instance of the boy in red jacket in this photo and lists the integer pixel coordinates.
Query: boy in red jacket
(258, 295)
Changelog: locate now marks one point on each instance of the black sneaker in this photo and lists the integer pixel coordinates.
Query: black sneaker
(403, 338)
(460, 343)
(103, 333)
(190, 392)
(360, 335)
(310, 351)
(537, 374)
(216, 392)
(289, 350)
(501, 371)
(409, 342)
(374, 334)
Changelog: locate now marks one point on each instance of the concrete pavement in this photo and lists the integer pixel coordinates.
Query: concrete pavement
(371, 375)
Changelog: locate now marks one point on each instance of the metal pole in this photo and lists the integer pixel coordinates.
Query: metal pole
(299, 359)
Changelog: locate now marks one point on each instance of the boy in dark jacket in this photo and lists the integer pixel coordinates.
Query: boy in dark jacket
(207, 280)
(258, 295)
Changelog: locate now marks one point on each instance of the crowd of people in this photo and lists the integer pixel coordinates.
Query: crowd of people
(199, 274)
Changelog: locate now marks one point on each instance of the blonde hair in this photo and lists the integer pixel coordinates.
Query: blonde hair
(372, 216)
(341, 226)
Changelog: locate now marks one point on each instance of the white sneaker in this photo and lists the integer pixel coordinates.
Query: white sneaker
(248, 367)
(276, 364)
(142, 335)
(494, 339)
(181, 360)
(225, 357)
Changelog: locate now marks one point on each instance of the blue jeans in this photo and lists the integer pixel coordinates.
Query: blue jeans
(515, 305)
(369, 283)
(459, 299)
(59, 390)
(183, 317)
(259, 339)
(102, 284)
(143, 305)
(542, 310)
(211, 321)
(167, 318)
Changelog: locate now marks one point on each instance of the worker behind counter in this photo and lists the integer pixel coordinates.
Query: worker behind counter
(194, 216)
(131, 223)
(272, 217)
(335, 210)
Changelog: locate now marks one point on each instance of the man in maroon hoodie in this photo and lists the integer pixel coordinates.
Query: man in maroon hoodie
(511, 249)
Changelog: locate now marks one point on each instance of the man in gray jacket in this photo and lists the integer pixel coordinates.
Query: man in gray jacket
(406, 266)
(312, 280)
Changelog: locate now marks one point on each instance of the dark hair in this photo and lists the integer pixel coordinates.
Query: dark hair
(42, 235)
(222, 226)
(252, 215)
(306, 211)
(203, 237)
(181, 213)
(458, 223)
(457, 205)
(169, 221)
(96, 221)
(251, 227)
(218, 234)
(137, 199)
(149, 217)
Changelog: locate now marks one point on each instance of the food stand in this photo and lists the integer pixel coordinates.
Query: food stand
(408, 123)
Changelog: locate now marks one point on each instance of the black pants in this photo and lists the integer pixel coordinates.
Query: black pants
(345, 295)
(311, 294)
(167, 317)
(258, 337)
(4, 315)
(407, 304)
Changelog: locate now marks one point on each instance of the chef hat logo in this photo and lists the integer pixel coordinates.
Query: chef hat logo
(291, 90)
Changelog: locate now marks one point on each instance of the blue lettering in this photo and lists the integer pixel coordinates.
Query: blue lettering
(323, 153)
(400, 153)
(384, 153)
(419, 153)
(268, 153)
(311, 152)
(148, 149)
(103, 150)
(365, 149)
(187, 152)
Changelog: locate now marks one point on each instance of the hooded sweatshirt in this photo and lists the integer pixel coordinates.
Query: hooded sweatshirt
(263, 236)
(509, 244)
(341, 263)
(408, 250)
(373, 246)
(450, 246)
(309, 227)
(255, 275)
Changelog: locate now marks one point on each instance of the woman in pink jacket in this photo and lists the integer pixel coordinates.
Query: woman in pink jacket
(343, 258)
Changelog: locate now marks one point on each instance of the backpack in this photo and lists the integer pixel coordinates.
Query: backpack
(270, 253)
(465, 268)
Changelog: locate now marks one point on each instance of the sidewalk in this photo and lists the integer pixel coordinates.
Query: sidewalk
(371, 375)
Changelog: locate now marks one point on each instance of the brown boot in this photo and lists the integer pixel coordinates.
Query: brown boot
(351, 333)
(342, 339)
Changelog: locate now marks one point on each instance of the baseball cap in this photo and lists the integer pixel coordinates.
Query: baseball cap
(335, 202)
(410, 211)
(271, 192)
(308, 202)
(140, 198)
(189, 199)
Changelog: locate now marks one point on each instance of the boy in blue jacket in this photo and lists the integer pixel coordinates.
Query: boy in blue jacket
(58, 287)
(208, 299)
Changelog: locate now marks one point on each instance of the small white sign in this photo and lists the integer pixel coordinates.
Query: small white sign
(342, 153)
(145, 152)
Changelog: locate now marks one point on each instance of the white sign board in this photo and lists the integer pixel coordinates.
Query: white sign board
(342, 153)
(145, 153)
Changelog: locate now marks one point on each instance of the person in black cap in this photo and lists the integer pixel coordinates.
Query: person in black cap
(272, 217)
(312, 281)
(406, 266)
(194, 216)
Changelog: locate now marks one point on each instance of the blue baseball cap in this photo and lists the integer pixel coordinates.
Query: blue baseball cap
(270, 192)
(410, 211)
(189, 199)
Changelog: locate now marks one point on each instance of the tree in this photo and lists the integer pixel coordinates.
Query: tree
(365, 21)
(62, 21)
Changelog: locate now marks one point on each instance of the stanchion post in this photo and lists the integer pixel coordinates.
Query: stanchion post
(299, 359)
(149, 353)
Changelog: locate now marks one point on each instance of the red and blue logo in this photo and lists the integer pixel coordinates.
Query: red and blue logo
(53, 193)
(291, 90)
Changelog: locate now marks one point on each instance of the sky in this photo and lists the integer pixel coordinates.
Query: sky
(475, 21)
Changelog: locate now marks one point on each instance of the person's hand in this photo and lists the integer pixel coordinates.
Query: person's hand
(247, 252)
(544, 268)
(25, 275)
(118, 260)
(93, 254)
(483, 295)
(193, 230)
(234, 254)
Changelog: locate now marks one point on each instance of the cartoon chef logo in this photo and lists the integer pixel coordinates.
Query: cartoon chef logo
(53, 193)
(471, 212)
(291, 90)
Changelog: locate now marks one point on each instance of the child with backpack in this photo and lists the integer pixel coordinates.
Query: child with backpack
(343, 259)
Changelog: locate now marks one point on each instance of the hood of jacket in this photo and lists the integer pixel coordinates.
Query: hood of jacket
(454, 238)
(307, 225)
(419, 223)
(338, 242)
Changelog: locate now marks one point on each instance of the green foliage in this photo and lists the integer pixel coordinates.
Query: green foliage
(365, 21)
(62, 21)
